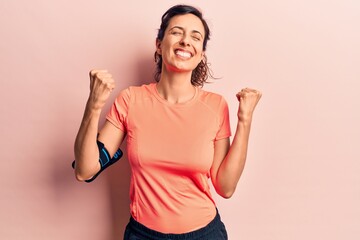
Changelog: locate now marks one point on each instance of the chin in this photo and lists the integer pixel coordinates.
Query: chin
(180, 69)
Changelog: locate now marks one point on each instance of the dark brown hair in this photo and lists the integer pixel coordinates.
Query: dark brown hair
(202, 71)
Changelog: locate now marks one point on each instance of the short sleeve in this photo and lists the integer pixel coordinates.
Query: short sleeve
(119, 110)
(224, 122)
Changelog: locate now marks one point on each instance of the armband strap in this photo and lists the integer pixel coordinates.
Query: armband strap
(104, 159)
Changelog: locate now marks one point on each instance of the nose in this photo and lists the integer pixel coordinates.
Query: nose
(185, 40)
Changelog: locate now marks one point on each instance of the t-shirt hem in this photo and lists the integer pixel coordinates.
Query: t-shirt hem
(222, 137)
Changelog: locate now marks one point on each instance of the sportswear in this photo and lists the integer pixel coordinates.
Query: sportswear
(170, 148)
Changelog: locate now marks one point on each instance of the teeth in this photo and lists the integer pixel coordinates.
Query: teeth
(183, 54)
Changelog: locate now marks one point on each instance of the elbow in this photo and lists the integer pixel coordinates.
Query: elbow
(82, 178)
(227, 194)
(79, 177)
(82, 174)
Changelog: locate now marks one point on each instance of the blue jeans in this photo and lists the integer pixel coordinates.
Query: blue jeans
(215, 230)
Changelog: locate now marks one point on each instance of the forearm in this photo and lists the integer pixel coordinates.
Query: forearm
(86, 150)
(232, 166)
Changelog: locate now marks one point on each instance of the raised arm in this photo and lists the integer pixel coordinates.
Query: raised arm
(229, 160)
(86, 149)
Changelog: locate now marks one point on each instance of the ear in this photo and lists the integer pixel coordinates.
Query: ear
(158, 46)
(203, 57)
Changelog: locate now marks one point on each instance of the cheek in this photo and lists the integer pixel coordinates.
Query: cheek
(200, 53)
(199, 48)
(166, 48)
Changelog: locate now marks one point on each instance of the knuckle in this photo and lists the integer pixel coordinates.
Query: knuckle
(109, 85)
(94, 72)
(99, 78)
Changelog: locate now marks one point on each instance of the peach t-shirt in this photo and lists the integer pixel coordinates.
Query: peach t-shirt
(170, 149)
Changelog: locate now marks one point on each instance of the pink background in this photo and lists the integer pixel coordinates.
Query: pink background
(302, 178)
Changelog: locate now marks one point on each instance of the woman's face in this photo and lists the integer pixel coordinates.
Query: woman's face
(182, 46)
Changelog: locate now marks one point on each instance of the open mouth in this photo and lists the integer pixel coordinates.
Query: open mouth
(183, 54)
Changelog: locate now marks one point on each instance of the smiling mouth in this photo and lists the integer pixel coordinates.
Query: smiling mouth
(183, 54)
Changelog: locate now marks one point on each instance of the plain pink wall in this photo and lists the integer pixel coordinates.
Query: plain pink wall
(302, 178)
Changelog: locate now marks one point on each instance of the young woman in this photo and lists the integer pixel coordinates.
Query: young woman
(177, 136)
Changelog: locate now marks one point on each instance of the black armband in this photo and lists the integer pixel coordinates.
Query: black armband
(104, 159)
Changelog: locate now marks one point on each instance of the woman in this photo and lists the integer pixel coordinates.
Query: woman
(177, 136)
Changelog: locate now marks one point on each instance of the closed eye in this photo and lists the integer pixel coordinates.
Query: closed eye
(176, 33)
(196, 38)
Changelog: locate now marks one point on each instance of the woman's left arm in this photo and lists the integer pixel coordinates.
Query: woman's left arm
(229, 160)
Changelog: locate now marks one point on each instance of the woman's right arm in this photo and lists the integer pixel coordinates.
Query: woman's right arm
(86, 149)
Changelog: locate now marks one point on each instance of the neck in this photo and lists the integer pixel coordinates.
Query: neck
(176, 87)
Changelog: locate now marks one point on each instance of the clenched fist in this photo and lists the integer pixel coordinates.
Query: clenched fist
(248, 99)
(101, 85)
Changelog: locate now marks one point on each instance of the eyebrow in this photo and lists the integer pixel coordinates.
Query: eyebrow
(181, 28)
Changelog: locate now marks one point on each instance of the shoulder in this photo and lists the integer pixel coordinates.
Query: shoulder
(133, 92)
(211, 99)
